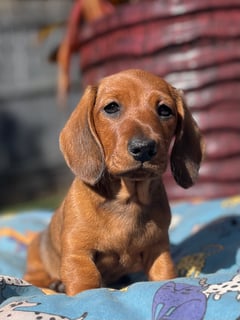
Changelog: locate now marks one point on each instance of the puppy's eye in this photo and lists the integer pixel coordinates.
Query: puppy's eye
(112, 108)
(164, 111)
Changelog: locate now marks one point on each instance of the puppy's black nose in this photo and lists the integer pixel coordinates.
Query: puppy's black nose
(142, 149)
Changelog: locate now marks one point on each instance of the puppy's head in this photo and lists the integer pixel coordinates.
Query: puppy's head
(125, 126)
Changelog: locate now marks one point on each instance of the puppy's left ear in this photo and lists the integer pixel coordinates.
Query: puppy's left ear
(79, 142)
(187, 152)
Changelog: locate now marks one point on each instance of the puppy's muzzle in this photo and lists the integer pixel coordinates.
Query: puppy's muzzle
(142, 149)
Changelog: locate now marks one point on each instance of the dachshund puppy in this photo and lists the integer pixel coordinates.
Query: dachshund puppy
(115, 217)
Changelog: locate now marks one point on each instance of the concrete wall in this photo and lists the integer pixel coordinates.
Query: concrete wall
(30, 119)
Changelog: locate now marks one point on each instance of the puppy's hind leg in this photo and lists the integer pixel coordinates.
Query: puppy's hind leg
(35, 271)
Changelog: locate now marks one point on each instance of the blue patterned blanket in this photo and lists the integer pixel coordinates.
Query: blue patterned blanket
(205, 240)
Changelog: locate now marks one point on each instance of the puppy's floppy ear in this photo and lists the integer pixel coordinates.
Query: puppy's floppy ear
(187, 151)
(79, 143)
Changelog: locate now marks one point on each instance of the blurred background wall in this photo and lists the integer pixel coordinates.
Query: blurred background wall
(193, 44)
(30, 119)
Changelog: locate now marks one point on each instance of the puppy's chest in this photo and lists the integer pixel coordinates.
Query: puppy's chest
(131, 227)
(128, 233)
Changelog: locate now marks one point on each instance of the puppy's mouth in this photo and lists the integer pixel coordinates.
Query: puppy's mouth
(142, 171)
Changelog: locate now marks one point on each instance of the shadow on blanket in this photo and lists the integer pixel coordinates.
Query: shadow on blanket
(213, 247)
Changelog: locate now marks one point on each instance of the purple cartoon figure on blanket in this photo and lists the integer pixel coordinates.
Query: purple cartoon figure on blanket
(178, 301)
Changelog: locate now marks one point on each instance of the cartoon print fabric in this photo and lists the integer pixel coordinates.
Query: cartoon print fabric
(180, 300)
(205, 240)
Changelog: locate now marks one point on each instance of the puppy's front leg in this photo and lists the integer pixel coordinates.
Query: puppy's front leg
(78, 272)
(159, 264)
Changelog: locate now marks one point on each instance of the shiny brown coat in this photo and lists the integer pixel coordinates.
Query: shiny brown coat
(115, 217)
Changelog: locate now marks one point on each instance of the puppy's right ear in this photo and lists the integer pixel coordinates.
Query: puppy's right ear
(79, 143)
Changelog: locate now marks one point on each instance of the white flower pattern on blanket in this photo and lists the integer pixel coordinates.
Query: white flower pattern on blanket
(219, 289)
(14, 311)
(13, 281)
(11, 312)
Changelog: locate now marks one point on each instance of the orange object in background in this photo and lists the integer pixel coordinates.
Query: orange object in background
(83, 10)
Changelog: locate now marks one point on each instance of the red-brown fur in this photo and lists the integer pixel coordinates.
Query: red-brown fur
(115, 217)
